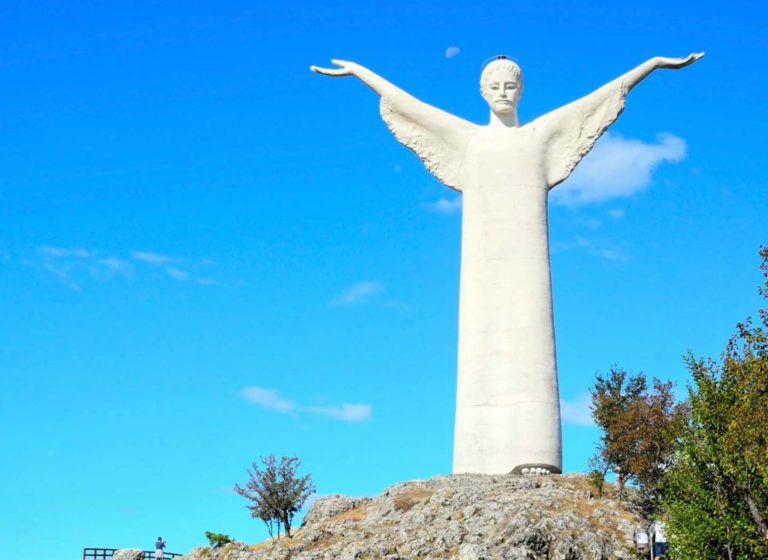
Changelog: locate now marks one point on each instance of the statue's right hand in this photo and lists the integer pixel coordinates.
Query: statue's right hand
(345, 68)
(676, 63)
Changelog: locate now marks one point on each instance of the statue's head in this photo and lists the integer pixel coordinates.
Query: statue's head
(501, 85)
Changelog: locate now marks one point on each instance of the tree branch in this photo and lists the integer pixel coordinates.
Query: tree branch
(755, 513)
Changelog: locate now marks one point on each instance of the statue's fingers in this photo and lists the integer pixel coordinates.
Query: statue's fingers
(681, 62)
(321, 70)
(691, 58)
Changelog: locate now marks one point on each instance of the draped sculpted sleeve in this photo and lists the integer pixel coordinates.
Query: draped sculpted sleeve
(438, 138)
(570, 132)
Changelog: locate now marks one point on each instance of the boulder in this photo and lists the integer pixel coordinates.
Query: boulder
(128, 554)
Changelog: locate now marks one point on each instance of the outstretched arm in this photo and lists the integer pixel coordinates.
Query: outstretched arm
(394, 98)
(568, 133)
(636, 75)
(438, 138)
(345, 68)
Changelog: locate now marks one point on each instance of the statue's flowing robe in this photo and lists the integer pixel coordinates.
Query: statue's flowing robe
(507, 404)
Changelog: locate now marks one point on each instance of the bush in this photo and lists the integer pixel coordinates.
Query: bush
(596, 479)
(217, 539)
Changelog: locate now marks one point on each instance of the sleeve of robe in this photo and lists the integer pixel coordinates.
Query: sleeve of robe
(570, 132)
(438, 138)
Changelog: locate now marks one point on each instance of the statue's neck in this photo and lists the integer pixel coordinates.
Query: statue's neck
(508, 120)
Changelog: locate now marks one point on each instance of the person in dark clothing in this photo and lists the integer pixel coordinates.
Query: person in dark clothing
(159, 546)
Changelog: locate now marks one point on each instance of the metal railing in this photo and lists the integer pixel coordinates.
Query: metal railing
(106, 554)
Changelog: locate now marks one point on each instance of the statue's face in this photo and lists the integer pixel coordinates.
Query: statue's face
(501, 88)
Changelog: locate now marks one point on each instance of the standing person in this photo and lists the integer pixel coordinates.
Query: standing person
(659, 533)
(159, 546)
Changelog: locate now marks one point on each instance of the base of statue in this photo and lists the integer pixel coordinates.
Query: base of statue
(535, 469)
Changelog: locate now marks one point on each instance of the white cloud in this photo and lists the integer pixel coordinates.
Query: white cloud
(63, 252)
(590, 223)
(577, 411)
(268, 399)
(72, 266)
(578, 242)
(600, 247)
(62, 274)
(177, 273)
(611, 252)
(450, 52)
(359, 293)
(151, 257)
(616, 213)
(397, 305)
(115, 266)
(161, 260)
(444, 206)
(347, 412)
(618, 167)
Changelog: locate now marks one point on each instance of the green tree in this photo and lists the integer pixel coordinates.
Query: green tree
(275, 491)
(640, 427)
(716, 495)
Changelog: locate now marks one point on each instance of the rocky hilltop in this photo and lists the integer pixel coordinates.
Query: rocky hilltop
(467, 517)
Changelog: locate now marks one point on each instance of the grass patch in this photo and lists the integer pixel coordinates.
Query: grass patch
(357, 513)
(405, 501)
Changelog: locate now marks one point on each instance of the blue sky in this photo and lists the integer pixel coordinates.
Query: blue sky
(209, 253)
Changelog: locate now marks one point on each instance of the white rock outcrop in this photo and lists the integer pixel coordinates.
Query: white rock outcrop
(128, 554)
(466, 517)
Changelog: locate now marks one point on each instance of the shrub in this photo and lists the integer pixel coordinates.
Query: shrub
(217, 539)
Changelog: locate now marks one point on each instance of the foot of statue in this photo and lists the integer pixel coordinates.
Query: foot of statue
(532, 469)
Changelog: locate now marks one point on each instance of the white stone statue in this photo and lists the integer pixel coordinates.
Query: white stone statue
(507, 405)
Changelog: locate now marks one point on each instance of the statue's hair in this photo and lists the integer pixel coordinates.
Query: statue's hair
(498, 63)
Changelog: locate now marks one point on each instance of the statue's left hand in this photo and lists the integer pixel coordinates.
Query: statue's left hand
(675, 63)
(345, 68)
